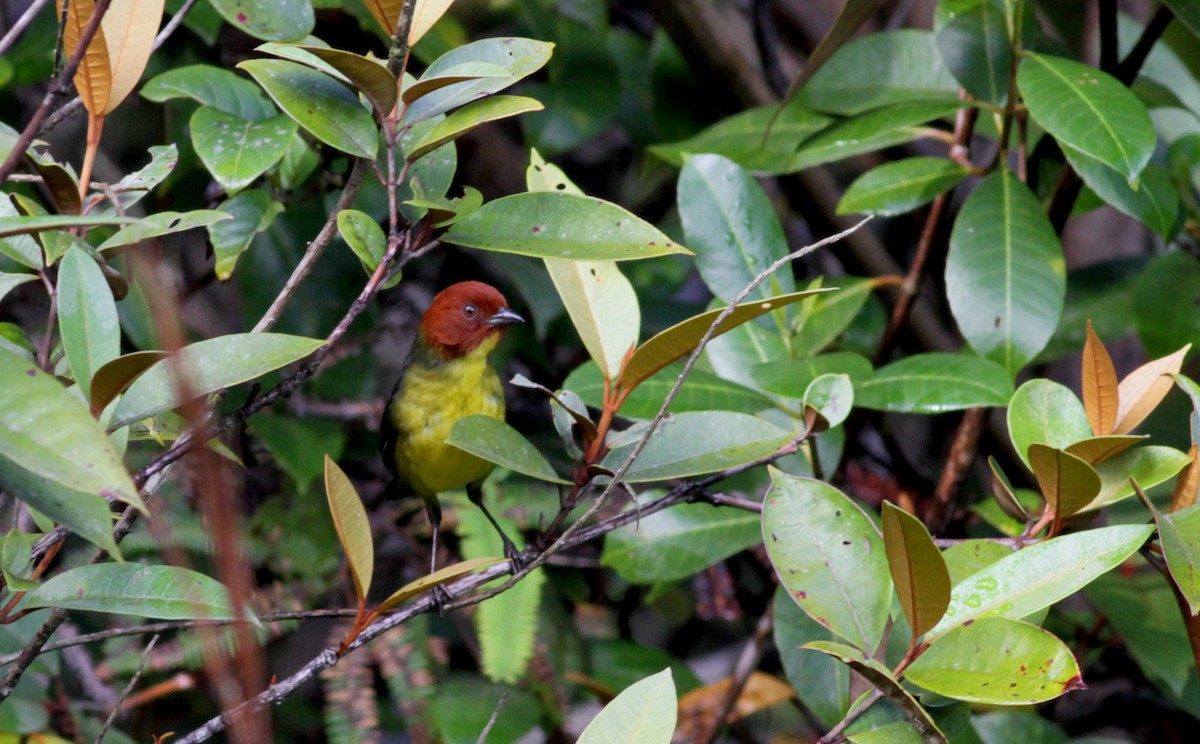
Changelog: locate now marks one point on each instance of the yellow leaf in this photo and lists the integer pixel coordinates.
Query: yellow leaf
(440, 576)
(1144, 388)
(93, 79)
(353, 528)
(1099, 384)
(698, 708)
(129, 28)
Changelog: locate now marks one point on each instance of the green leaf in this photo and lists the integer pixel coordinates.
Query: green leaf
(298, 163)
(209, 366)
(1089, 110)
(832, 397)
(54, 456)
(130, 189)
(731, 225)
(366, 73)
(11, 281)
(643, 713)
(935, 383)
(211, 86)
(1040, 575)
(15, 558)
(821, 682)
(495, 441)
(1044, 411)
(870, 131)
(599, 299)
(252, 211)
(700, 442)
(852, 15)
(1005, 274)
(1155, 202)
(1068, 483)
(702, 391)
(791, 377)
(21, 225)
(561, 225)
(974, 44)
(87, 317)
(680, 339)
(881, 69)
(162, 223)
(917, 569)
(353, 529)
(997, 661)
(837, 573)
(470, 116)
(299, 443)
(163, 592)
(900, 186)
(1179, 533)
(824, 317)
(1149, 466)
(236, 151)
(520, 57)
(675, 543)
(364, 236)
(318, 103)
(269, 20)
(745, 139)
(1166, 295)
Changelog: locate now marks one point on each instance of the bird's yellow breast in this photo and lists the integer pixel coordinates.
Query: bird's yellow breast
(433, 395)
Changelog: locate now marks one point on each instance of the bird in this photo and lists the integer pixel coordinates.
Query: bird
(446, 376)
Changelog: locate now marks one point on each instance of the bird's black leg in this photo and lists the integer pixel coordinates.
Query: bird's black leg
(438, 595)
(475, 494)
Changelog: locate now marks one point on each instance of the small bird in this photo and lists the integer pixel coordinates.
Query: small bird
(447, 376)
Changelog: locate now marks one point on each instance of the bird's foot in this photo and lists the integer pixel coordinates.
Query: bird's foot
(440, 599)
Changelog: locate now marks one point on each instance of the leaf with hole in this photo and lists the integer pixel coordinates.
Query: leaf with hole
(160, 224)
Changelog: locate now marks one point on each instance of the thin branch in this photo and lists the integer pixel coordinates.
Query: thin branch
(108, 722)
(315, 248)
(26, 18)
(746, 663)
(483, 735)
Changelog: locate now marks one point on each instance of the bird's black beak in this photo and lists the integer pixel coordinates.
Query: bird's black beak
(503, 317)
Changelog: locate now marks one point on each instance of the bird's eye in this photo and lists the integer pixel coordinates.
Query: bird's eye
(470, 311)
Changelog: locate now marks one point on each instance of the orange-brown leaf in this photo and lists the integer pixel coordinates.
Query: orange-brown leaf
(1187, 482)
(918, 570)
(698, 707)
(1068, 483)
(1099, 384)
(1144, 388)
(93, 79)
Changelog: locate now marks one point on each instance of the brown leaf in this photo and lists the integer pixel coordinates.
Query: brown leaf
(1099, 384)
(1187, 482)
(93, 79)
(918, 571)
(1068, 483)
(1144, 388)
(698, 708)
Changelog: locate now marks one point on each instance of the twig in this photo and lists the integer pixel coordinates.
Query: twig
(835, 733)
(315, 248)
(125, 693)
(26, 18)
(962, 453)
(746, 664)
(483, 735)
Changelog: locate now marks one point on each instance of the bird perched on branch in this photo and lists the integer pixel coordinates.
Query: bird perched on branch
(447, 376)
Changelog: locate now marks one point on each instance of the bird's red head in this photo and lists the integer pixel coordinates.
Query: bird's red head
(463, 316)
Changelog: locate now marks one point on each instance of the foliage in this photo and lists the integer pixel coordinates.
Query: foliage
(717, 437)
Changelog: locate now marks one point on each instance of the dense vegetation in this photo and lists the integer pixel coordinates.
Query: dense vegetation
(855, 399)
